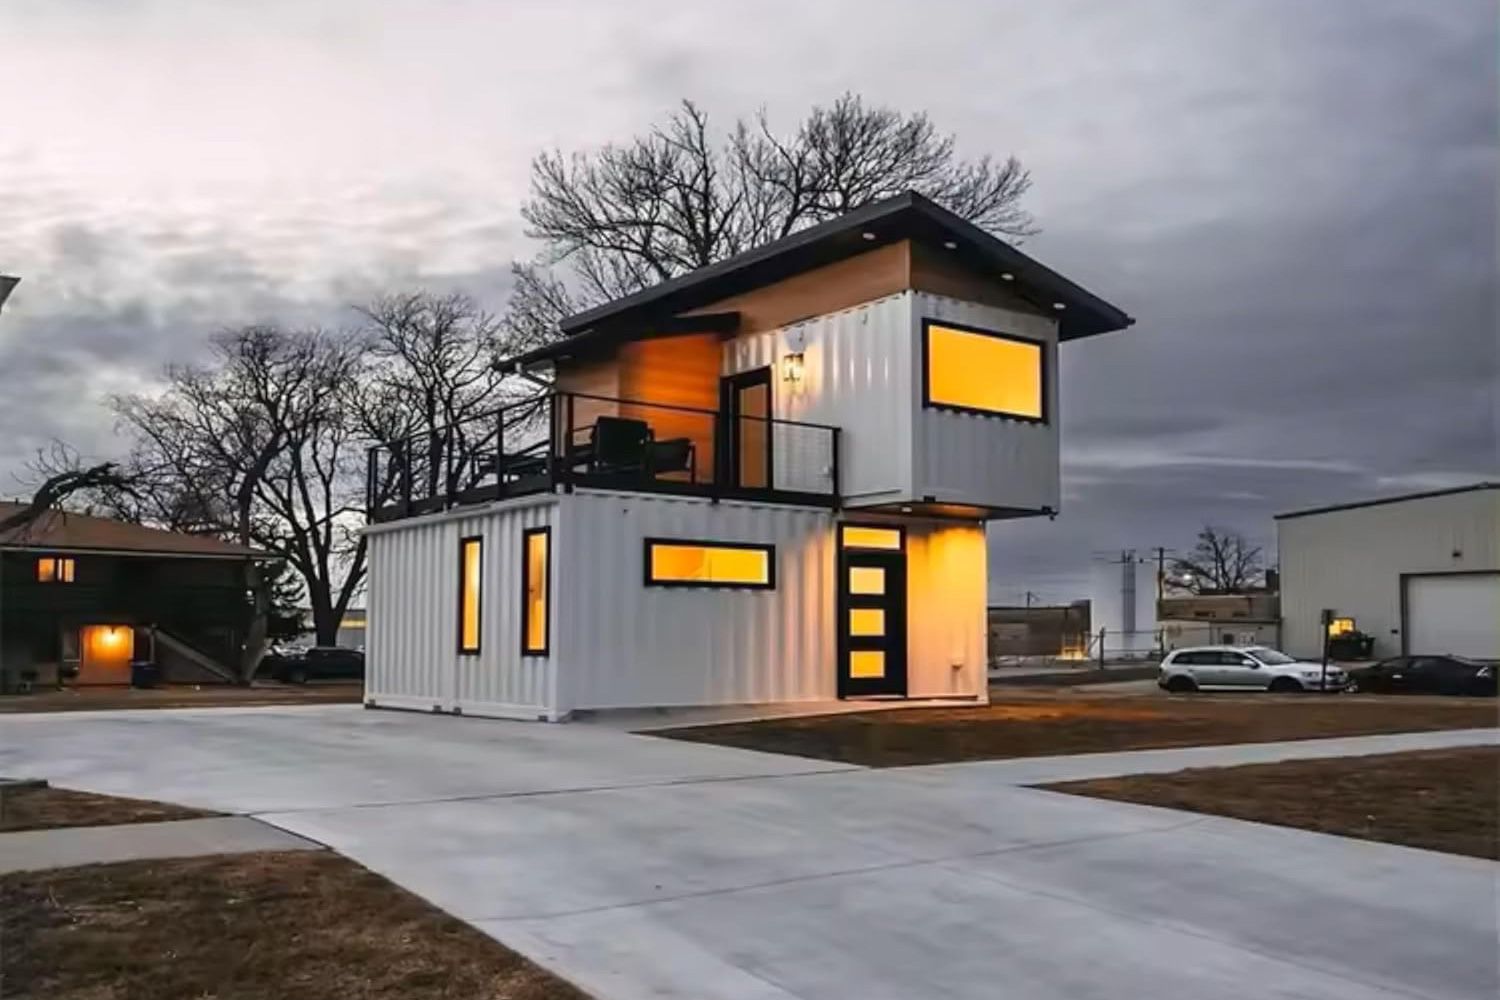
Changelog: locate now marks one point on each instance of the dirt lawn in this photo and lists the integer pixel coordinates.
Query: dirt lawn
(269, 926)
(98, 699)
(1068, 723)
(1442, 800)
(32, 808)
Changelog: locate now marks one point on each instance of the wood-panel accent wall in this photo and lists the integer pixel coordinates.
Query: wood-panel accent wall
(679, 371)
(883, 271)
(933, 272)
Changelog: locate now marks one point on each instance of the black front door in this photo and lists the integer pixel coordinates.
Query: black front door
(872, 621)
(747, 429)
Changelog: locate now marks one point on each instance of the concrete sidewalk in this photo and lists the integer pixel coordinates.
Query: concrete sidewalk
(1085, 766)
(640, 867)
(31, 850)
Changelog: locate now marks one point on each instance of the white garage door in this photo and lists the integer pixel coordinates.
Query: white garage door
(1455, 613)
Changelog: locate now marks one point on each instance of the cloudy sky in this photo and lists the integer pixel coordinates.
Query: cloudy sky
(1296, 199)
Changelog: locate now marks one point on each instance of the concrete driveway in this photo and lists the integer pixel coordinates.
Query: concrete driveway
(641, 868)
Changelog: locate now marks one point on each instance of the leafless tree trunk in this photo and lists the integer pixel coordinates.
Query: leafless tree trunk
(1222, 562)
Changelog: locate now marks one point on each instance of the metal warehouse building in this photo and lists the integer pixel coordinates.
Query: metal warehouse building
(1421, 573)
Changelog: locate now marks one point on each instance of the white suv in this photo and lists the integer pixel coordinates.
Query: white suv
(1244, 668)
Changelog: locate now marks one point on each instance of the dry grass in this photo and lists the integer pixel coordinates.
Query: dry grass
(98, 699)
(1069, 723)
(269, 926)
(31, 808)
(1441, 800)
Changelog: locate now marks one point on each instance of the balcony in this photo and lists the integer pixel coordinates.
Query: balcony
(568, 440)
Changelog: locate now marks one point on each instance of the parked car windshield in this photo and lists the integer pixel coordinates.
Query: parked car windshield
(1273, 657)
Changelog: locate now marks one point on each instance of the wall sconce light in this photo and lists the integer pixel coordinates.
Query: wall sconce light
(791, 368)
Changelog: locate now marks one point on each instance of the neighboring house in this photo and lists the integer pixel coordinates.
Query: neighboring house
(1420, 573)
(767, 480)
(81, 598)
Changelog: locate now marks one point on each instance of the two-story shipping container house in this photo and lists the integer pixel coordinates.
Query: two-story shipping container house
(764, 481)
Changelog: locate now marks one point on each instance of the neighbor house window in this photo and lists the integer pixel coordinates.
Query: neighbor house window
(536, 561)
(53, 569)
(470, 576)
(676, 563)
(983, 371)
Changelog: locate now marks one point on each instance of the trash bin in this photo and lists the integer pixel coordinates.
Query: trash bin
(144, 674)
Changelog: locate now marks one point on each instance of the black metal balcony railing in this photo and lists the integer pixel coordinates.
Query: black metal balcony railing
(567, 439)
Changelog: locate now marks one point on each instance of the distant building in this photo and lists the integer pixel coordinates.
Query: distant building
(1123, 590)
(1054, 630)
(1420, 573)
(1252, 619)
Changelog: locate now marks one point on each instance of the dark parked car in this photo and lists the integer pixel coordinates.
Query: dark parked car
(1428, 675)
(319, 663)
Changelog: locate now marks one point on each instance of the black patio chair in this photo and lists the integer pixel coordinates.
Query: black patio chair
(619, 444)
(670, 456)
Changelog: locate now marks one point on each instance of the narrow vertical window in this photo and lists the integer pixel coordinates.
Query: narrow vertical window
(470, 575)
(535, 568)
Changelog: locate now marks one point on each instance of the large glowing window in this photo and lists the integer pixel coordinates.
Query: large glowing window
(534, 572)
(52, 569)
(985, 372)
(672, 563)
(470, 571)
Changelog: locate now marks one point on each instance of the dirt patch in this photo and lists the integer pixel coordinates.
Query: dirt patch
(1065, 723)
(268, 926)
(1441, 800)
(32, 808)
(208, 696)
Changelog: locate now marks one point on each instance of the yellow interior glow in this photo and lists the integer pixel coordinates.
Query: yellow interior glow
(861, 537)
(1339, 626)
(866, 663)
(536, 592)
(866, 621)
(108, 643)
(468, 631)
(979, 372)
(709, 564)
(866, 580)
(54, 570)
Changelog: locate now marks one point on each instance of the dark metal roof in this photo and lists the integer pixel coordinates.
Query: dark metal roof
(1385, 500)
(905, 216)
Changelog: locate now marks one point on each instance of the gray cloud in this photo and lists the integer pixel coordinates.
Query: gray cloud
(1297, 200)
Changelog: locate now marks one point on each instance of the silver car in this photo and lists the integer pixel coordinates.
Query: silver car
(1244, 668)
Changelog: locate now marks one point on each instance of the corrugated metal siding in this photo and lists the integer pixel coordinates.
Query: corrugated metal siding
(858, 375)
(972, 458)
(1352, 561)
(629, 645)
(411, 656)
(945, 567)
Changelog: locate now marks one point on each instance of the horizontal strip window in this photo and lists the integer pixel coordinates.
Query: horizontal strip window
(673, 562)
(55, 569)
(984, 371)
(862, 536)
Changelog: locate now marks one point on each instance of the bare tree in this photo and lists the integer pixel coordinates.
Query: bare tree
(258, 445)
(63, 478)
(1222, 562)
(678, 198)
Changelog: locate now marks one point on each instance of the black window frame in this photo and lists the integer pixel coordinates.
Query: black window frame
(546, 532)
(653, 540)
(928, 403)
(478, 646)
